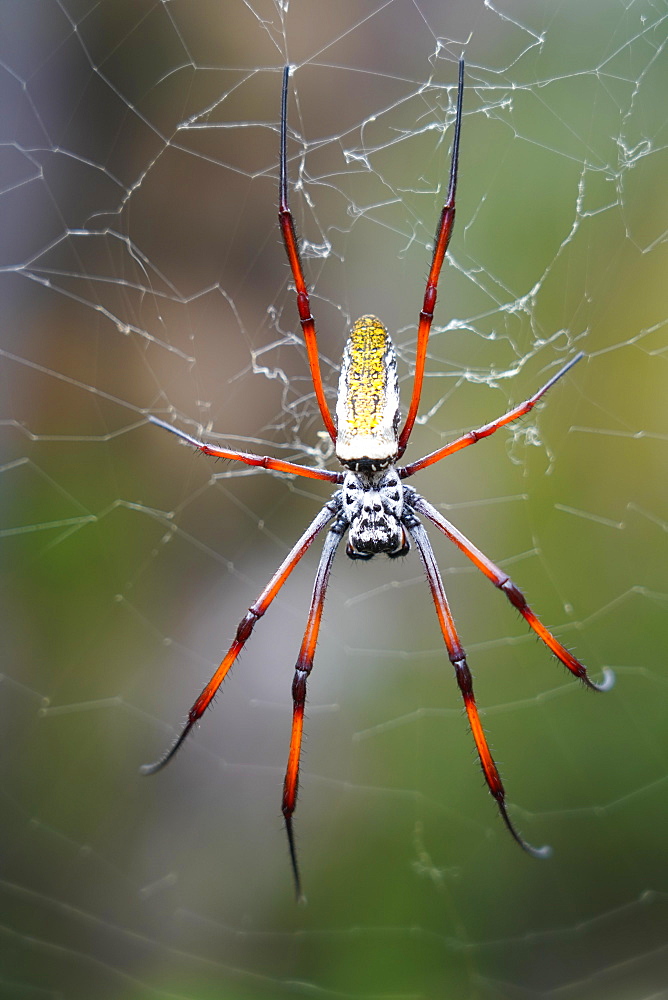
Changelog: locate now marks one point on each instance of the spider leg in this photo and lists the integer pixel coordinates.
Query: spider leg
(244, 630)
(263, 461)
(463, 674)
(513, 593)
(472, 437)
(443, 234)
(289, 234)
(302, 671)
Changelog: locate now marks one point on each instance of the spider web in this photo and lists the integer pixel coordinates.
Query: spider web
(142, 273)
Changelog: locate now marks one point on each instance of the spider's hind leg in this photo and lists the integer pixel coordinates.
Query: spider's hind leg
(302, 672)
(464, 681)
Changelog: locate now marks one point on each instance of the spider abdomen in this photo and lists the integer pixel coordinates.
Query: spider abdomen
(367, 407)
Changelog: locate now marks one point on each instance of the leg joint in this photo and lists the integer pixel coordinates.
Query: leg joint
(464, 679)
(299, 685)
(513, 593)
(247, 623)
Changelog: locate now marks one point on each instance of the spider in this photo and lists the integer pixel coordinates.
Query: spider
(372, 505)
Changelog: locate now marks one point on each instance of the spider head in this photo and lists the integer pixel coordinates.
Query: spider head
(373, 506)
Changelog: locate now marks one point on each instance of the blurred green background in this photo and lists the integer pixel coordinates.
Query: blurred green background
(142, 273)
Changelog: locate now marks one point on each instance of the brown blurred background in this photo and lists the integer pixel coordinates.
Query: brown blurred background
(142, 273)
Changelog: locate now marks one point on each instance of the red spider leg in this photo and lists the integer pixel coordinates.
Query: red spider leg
(443, 234)
(302, 671)
(289, 234)
(514, 595)
(263, 461)
(471, 437)
(463, 674)
(244, 630)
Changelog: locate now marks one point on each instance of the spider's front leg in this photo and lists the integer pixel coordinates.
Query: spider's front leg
(248, 458)
(289, 234)
(443, 234)
(473, 436)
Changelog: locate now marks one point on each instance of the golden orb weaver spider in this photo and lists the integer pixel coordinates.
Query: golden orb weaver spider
(372, 505)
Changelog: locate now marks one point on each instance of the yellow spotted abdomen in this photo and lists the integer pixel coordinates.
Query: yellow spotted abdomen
(367, 409)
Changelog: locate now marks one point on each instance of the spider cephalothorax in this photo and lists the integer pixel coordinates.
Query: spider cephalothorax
(373, 505)
(379, 513)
